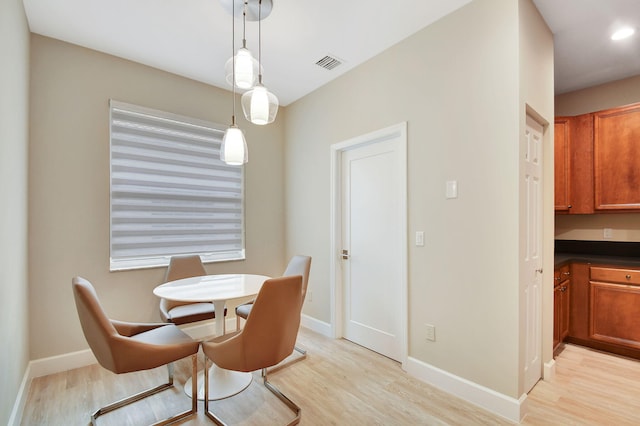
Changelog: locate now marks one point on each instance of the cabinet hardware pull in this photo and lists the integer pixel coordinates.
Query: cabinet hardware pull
(628, 276)
(567, 273)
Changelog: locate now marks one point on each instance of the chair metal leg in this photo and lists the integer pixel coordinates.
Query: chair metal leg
(141, 395)
(218, 421)
(207, 412)
(289, 403)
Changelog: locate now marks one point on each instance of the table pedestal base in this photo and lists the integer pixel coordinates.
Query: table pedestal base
(222, 383)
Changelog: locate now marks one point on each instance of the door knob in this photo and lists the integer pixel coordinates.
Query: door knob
(345, 254)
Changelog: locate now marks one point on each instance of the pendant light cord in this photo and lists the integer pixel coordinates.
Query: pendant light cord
(233, 66)
(259, 41)
(244, 24)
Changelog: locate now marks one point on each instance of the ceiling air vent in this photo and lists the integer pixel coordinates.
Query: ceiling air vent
(329, 62)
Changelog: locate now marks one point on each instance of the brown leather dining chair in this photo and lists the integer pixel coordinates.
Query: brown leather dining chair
(298, 265)
(186, 312)
(123, 347)
(267, 338)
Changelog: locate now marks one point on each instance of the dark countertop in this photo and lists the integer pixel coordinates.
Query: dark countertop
(601, 252)
(562, 258)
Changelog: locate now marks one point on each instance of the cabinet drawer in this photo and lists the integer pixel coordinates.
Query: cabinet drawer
(615, 275)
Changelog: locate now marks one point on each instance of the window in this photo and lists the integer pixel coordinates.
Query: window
(170, 193)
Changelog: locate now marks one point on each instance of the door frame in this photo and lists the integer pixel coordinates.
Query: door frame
(335, 267)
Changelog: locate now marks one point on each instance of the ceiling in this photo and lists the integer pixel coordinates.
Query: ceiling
(584, 53)
(192, 38)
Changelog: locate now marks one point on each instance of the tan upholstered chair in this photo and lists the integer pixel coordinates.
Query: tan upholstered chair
(186, 312)
(267, 338)
(123, 347)
(298, 265)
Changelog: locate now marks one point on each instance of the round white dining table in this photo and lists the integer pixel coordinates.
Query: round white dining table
(217, 289)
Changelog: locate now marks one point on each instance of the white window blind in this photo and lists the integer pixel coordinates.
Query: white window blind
(170, 193)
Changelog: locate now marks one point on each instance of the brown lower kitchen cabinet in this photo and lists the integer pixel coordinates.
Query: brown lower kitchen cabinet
(605, 308)
(615, 306)
(561, 304)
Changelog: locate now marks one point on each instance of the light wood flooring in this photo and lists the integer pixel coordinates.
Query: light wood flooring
(340, 383)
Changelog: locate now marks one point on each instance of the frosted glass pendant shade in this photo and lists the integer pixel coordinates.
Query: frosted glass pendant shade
(234, 150)
(246, 69)
(259, 105)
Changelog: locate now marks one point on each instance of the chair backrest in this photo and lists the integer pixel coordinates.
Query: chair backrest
(270, 332)
(182, 267)
(96, 326)
(300, 265)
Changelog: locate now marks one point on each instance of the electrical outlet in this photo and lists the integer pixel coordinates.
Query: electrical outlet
(608, 233)
(430, 331)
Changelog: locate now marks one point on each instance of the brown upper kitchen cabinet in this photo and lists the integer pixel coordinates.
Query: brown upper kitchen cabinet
(573, 151)
(617, 159)
(562, 132)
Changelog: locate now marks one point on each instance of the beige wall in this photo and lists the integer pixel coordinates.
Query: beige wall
(596, 98)
(69, 186)
(626, 227)
(14, 120)
(456, 83)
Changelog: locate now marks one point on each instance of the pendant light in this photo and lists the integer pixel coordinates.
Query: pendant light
(246, 66)
(233, 150)
(260, 106)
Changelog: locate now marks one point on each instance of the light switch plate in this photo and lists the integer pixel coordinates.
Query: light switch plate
(452, 189)
(420, 238)
(430, 332)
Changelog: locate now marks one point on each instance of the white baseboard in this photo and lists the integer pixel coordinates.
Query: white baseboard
(21, 400)
(549, 371)
(316, 325)
(56, 364)
(488, 399)
(44, 367)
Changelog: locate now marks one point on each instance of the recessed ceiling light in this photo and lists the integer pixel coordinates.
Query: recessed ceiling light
(623, 33)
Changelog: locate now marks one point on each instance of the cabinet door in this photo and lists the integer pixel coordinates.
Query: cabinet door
(573, 164)
(581, 164)
(615, 314)
(579, 301)
(561, 137)
(616, 158)
(563, 325)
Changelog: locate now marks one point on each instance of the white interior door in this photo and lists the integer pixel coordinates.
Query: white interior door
(374, 236)
(532, 262)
